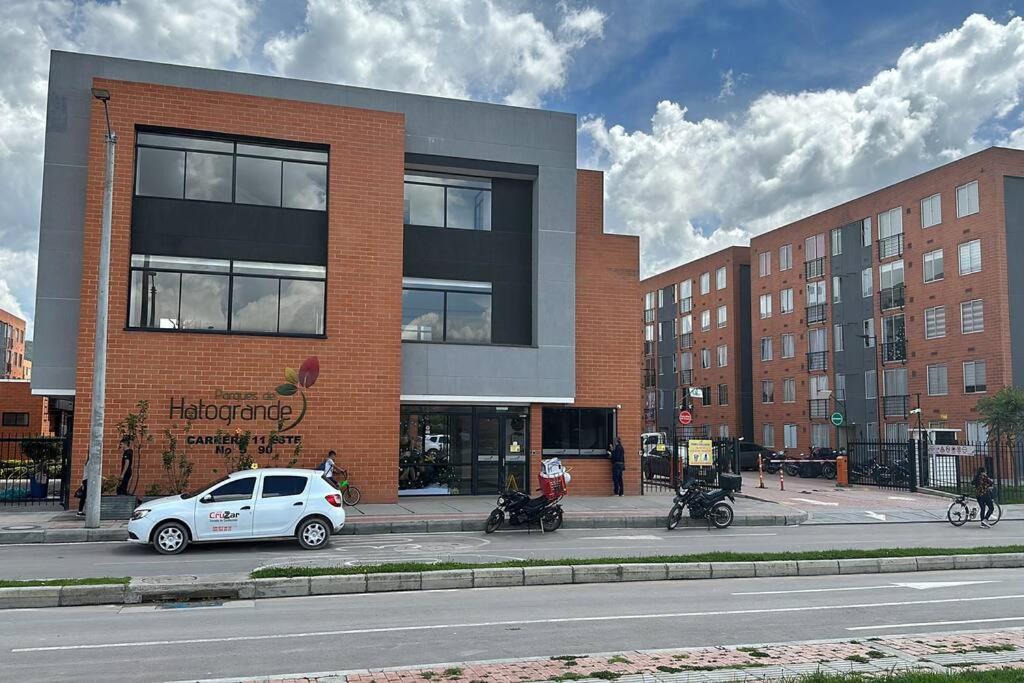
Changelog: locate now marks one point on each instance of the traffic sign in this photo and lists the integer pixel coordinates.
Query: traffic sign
(837, 418)
(685, 417)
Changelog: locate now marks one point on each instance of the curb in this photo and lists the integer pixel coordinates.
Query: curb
(424, 526)
(241, 587)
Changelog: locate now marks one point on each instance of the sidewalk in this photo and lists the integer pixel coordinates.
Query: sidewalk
(941, 653)
(415, 515)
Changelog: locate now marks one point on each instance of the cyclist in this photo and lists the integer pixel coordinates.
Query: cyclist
(327, 466)
(983, 493)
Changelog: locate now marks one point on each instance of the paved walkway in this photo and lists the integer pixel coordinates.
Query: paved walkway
(972, 651)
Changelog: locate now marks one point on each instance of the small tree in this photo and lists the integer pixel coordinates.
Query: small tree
(1003, 413)
(134, 428)
(176, 463)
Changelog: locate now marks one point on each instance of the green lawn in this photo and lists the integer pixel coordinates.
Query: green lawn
(92, 581)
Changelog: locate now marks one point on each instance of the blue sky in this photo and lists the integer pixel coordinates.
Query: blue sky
(713, 120)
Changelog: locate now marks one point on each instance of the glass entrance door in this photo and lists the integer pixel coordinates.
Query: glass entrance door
(502, 450)
(516, 452)
(489, 454)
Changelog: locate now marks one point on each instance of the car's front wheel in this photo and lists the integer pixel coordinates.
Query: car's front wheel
(170, 538)
(313, 534)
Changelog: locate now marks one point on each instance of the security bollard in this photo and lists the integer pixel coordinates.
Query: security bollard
(842, 471)
(782, 480)
(760, 472)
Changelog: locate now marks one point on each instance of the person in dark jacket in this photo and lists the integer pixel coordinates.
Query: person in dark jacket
(983, 492)
(618, 458)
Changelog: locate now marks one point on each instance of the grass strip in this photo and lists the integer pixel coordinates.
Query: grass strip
(91, 581)
(858, 554)
(992, 676)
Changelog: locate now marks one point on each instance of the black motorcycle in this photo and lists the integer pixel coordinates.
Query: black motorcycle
(703, 503)
(518, 509)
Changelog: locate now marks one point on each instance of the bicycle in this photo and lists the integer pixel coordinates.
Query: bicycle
(964, 509)
(349, 493)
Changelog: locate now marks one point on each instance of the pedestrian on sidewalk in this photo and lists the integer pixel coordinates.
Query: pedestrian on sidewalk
(983, 493)
(618, 458)
(82, 490)
(327, 467)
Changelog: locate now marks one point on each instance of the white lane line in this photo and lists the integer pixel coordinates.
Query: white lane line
(919, 585)
(876, 515)
(622, 538)
(815, 502)
(520, 622)
(934, 623)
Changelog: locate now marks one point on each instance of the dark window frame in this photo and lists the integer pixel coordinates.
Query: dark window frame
(11, 419)
(610, 415)
(444, 316)
(444, 202)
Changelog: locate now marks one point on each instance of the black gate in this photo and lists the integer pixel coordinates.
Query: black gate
(34, 470)
(886, 464)
(663, 469)
(951, 468)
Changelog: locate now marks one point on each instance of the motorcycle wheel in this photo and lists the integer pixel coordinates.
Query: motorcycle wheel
(828, 470)
(551, 520)
(883, 477)
(772, 468)
(494, 521)
(792, 470)
(674, 515)
(721, 515)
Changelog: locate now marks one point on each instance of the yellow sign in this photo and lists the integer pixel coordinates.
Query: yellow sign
(660, 448)
(700, 452)
(514, 447)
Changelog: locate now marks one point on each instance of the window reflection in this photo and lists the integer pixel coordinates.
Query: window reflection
(469, 209)
(258, 181)
(254, 304)
(155, 297)
(204, 302)
(304, 186)
(424, 205)
(468, 318)
(446, 310)
(160, 173)
(422, 315)
(208, 176)
(448, 201)
(302, 307)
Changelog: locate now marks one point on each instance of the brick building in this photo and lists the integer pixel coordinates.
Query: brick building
(896, 299)
(21, 413)
(422, 284)
(697, 335)
(12, 346)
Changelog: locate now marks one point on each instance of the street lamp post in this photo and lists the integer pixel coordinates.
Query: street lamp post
(94, 464)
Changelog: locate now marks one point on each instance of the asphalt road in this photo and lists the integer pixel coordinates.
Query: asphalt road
(123, 559)
(149, 643)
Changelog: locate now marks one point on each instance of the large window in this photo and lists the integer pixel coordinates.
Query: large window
(768, 435)
(766, 348)
(865, 282)
(218, 170)
(972, 316)
(788, 346)
(931, 211)
(970, 257)
(933, 269)
(767, 391)
(967, 199)
(454, 311)
(974, 377)
(789, 390)
(211, 295)
(447, 201)
(937, 381)
(705, 321)
(723, 394)
(578, 431)
(723, 356)
(935, 322)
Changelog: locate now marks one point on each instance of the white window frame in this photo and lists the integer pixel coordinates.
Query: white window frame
(705, 283)
(786, 301)
(890, 223)
(723, 355)
(974, 375)
(767, 391)
(785, 257)
(865, 230)
(937, 314)
(789, 390)
(705, 320)
(836, 239)
(872, 385)
(931, 211)
(788, 342)
(928, 260)
(932, 375)
(723, 316)
(766, 346)
(705, 359)
(764, 264)
(837, 290)
(974, 320)
(838, 338)
(768, 435)
(973, 248)
(967, 201)
(765, 305)
(867, 277)
(789, 436)
(721, 278)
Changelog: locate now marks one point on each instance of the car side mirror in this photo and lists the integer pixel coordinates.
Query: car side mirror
(208, 498)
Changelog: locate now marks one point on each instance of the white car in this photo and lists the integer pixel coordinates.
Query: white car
(251, 504)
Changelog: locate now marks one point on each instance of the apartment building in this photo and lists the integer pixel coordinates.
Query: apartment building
(898, 300)
(12, 346)
(697, 336)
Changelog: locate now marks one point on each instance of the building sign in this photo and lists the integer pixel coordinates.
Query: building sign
(700, 452)
(962, 451)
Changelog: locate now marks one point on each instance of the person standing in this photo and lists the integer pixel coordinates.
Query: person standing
(618, 458)
(983, 493)
(83, 490)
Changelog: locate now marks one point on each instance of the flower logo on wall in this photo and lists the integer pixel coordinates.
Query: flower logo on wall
(295, 382)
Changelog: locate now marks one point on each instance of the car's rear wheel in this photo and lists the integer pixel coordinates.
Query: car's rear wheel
(170, 538)
(313, 534)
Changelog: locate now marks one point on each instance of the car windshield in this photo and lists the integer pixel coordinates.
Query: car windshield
(195, 492)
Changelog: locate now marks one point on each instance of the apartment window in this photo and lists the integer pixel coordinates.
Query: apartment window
(837, 296)
(789, 436)
(976, 432)
(766, 306)
(720, 278)
(768, 435)
(785, 257)
(723, 394)
(866, 279)
(766, 348)
(890, 223)
(447, 311)
(723, 355)
(931, 211)
(764, 260)
(840, 387)
(820, 435)
(649, 333)
(705, 396)
(866, 232)
(935, 322)
(211, 295)
(767, 391)
(661, 298)
(785, 301)
(972, 316)
(789, 390)
(974, 377)
(686, 324)
(937, 384)
(15, 420)
(788, 346)
(967, 199)
(890, 275)
(723, 316)
(705, 358)
(723, 431)
(705, 283)
(218, 170)
(817, 340)
(970, 257)
(933, 266)
(649, 301)
(816, 294)
(814, 247)
(836, 239)
(705, 321)
(837, 338)
(870, 384)
(686, 296)
(448, 201)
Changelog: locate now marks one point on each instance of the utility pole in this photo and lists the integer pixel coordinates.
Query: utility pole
(94, 465)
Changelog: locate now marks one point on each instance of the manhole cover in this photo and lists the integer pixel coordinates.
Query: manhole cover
(21, 527)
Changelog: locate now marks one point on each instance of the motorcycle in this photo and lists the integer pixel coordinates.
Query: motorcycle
(518, 509)
(708, 504)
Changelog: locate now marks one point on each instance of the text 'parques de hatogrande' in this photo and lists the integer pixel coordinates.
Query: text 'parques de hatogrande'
(228, 413)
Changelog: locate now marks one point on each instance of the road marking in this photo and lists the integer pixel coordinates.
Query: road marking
(520, 622)
(814, 502)
(875, 515)
(925, 585)
(920, 585)
(902, 498)
(622, 538)
(935, 623)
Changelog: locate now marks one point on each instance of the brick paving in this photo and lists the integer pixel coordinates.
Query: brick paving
(956, 652)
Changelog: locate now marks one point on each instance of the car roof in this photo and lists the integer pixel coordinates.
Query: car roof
(277, 470)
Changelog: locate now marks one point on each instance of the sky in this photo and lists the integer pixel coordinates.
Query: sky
(714, 120)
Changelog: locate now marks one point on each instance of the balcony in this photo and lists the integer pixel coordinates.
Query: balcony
(816, 313)
(890, 247)
(650, 379)
(891, 297)
(817, 360)
(894, 352)
(895, 406)
(817, 408)
(686, 305)
(814, 268)
(686, 340)
(685, 378)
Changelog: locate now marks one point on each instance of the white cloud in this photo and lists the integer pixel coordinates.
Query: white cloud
(691, 187)
(17, 282)
(453, 48)
(728, 88)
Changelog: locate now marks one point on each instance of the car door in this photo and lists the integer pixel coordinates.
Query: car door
(280, 505)
(226, 510)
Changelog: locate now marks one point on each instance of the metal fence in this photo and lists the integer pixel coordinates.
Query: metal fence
(663, 470)
(34, 470)
(887, 464)
(951, 469)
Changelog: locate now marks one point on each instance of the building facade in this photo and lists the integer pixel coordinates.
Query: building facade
(421, 284)
(12, 346)
(898, 300)
(697, 336)
(21, 413)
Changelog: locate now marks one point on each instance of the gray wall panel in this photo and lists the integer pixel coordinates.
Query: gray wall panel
(1013, 192)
